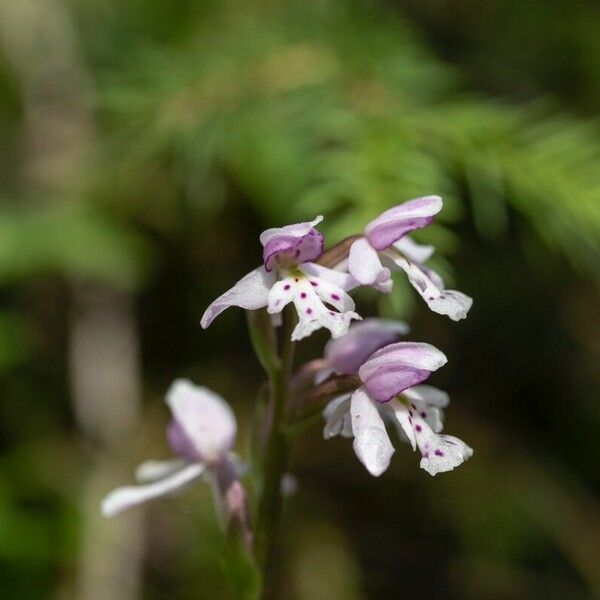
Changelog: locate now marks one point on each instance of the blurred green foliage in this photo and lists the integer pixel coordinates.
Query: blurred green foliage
(205, 121)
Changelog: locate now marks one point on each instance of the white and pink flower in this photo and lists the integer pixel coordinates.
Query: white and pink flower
(201, 433)
(288, 275)
(390, 388)
(386, 246)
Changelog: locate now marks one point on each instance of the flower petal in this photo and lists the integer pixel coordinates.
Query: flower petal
(364, 264)
(308, 293)
(412, 354)
(153, 470)
(337, 323)
(430, 412)
(440, 452)
(348, 353)
(403, 419)
(250, 292)
(371, 441)
(444, 302)
(428, 394)
(125, 497)
(388, 382)
(396, 222)
(280, 295)
(298, 230)
(205, 419)
(445, 453)
(396, 367)
(414, 251)
(337, 418)
(292, 244)
(332, 294)
(337, 277)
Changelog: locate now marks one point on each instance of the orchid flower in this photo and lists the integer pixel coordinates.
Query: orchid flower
(201, 432)
(287, 274)
(390, 379)
(385, 245)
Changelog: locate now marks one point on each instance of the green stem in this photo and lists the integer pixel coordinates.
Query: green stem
(276, 454)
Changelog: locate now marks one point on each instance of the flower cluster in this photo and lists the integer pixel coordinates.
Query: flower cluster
(368, 379)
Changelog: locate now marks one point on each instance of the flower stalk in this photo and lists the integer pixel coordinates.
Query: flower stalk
(276, 451)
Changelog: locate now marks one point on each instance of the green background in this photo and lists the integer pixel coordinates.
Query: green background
(143, 147)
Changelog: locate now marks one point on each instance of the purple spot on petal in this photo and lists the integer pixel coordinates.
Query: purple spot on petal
(287, 286)
(309, 311)
(314, 283)
(331, 313)
(414, 407)
(335, 297)
(438, 452)
(418, 428)
(423, 414)
(303, 295)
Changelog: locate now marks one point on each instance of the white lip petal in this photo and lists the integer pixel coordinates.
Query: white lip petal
(446, 454)
(429, 285)
(126, 497)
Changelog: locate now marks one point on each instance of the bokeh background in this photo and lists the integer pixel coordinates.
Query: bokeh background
(144, 144)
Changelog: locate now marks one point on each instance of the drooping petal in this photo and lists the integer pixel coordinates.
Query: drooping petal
(445, 453)
(251, 292)
(337, 418)
(371, 441)
(348, 353)
(453, 303)
(396, 222)
(125, 497)
(204, 418)
(414, 251)
(440, 452)
(292, 244)
(364, 264)
(153, 470)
